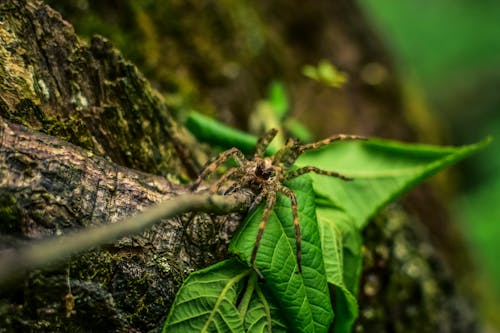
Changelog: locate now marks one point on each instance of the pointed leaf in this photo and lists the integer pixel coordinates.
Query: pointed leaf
(207, 300)
(381, 171)
(341, 244)
(209, 130)
(303, 298)
(263, 315)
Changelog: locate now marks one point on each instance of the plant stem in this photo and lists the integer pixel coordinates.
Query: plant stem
(14, 262)
(245, 300)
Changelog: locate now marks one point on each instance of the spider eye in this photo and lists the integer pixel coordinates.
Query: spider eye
(263, 172)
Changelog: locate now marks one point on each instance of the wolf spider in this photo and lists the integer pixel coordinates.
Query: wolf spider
(265, 177)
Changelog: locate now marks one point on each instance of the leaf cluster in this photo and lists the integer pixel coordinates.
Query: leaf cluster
(230, 297)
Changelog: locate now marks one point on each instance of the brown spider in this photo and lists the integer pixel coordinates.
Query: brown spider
(265, 177)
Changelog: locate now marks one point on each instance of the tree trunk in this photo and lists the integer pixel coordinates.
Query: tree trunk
(89, 96)
(85, 140)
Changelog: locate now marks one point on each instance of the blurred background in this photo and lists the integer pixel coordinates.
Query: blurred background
(449, 51)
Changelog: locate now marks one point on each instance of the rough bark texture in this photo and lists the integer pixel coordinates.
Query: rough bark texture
(87, 94)
(216, 56)
(50, 187)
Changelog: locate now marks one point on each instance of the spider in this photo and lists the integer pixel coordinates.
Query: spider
(265, 176)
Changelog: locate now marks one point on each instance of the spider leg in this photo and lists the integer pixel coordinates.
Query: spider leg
(263, 142)
(298, 235)
(287, 154)
(239, 183)
(214, 188)
(271, 200)
(258, 199)
(324, 142)
(211, 166)
(300, 171)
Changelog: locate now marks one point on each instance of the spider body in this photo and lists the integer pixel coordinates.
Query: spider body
(265, 177)
(264, 171)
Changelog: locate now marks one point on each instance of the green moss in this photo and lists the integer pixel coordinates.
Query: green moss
(4, 108)
(27, 112)
(137, 290)
(72, 129)
(182, 47)
(9, 214)
(404, 286)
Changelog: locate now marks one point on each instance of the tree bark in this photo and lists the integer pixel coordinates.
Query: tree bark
(119, 149)
(87, 94)
(51, 187)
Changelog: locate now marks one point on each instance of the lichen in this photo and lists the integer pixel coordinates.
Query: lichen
(16, 75)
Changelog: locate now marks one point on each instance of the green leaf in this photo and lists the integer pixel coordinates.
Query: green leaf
(263, 118)
(325, 73)
(381, 170)
(278, 99)
(211, 131)
(207, 300)
(352, 243)
(262, 314)
(341, 244)
(296, 129)
(303, 298)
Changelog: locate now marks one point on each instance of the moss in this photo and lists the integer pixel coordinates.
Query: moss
(16, 75)
(405, 286)
(26, 112)
(9, 214)
(114, 290)
(4, 108)
(183, 47)
(72, 129)
(141, 293)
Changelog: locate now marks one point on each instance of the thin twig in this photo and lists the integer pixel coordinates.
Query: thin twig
(15, 262)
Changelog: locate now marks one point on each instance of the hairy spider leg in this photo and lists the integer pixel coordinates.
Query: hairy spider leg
(324, 142)
(287, 154)
(211, 166)
(271, 200)
(263, 142)
(295, 213)
(300, 171)
(215, 187)
(243, 181)
(258, 199)
(294, 149)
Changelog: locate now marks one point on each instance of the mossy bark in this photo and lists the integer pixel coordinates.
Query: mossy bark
(112, 123)
(119, 149)
(85, 93)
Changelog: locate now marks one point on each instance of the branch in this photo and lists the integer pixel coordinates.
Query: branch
(43, 253)
(49, 187)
